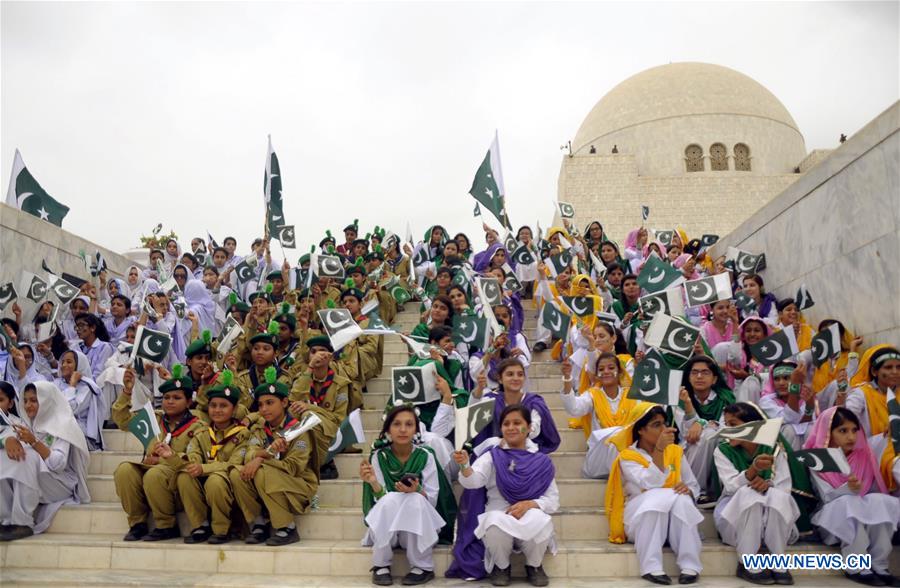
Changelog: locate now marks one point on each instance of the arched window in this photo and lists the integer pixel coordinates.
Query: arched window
(718, 157)
(741, 157)
(693, 157)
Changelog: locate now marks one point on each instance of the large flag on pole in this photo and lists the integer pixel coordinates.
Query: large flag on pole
(487, 187)
(27, 195)
(272, 192)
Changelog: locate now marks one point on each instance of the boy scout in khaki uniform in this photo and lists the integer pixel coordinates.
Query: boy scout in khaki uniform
(322, 389)
(262, 356)
(202, 480)
(150, 485)
(279, 475)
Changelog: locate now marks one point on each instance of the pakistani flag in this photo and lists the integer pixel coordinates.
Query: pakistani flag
(27, 195)
(665, 237)
(744, 302)
(477, 211)
(460, 279)
(778, 347)
(339, 326)
(523, 256)
(35, 288)
(63, 290)
(151, 345)
(511, 283)
(510, 243)
(421, 255)
(272, 193)
(231, 331)
(581, 306)
(490, 291)
(744, 262)
(803, 298)
(826, 344)
(760, 432)
(658, 275)
(894, 419)
(824, 459)
(471, 330)
(98, 265)
(414, 384)
(144, 425)
(377, 326)
(327, 266)
(645, 212)
(400, 294)
(245, 271)
(653, 381)
(566, 210)
(487, 187)
(472, 419)
(555, 320)
(560, 263)
(668, 302)
(672, 336)
(708, 290)
(709, 240)
(350, 432)
(285, 235)
(8, 295)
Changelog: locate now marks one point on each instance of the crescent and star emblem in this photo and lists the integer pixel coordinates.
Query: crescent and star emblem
(816, 464)
(470, 337)
(673, 335)
(37, 290)
(708, 291)
(144, 428)
(820, 350)
(402, 384)
(775, 355)
(337, 324)
(657, 277)
(651, 391)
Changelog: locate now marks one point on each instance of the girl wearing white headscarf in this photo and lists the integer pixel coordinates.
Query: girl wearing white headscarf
(21, 369)
(134, 280)
(172, 251)
(200, 302)
(165, 321)
(44, 464)
(114, 286)
(84, 396)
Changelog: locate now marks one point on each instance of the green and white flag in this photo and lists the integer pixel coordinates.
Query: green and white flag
(708, 290)
(668, 302)
(709, 240)
(826, 344)
(272, 194)
(63, 290)
(8, 295)
(510, 243)
(350, 432)
(803, 299)
(824, 459)
(672, 336)
(471, 330)
(777, 347)
(472, 419)
(27, 195)
(285, 235)
(400, 294)
(487, 187)
(327, 266)
(559, 263)
(35, 289)
(555, 320)
(477, 211)
(490, 291)
(377, 326)
(744, 262)
(566, 210)
(744, 302)
(581, 306)
(339, 326)
(645, 212)
(653, 381)
(763, 432)
(150, 345)
(244, 271)
(657, 275)
(414, 384)
(144, 425)
(510, 282)
(665, 237)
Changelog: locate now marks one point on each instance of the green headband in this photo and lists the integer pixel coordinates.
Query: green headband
(885, 357)
(782, 370)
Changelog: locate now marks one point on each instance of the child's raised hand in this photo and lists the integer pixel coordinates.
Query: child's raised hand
(854, 484)
(461, 457)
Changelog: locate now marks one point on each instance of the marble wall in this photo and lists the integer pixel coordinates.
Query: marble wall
(25, 240)
(837, 229)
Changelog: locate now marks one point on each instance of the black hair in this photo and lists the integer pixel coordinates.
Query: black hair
(435, 334)
(620, 346)
(191, 257)
(519, 408)
(622, 298)
(452, 242)
(759, 282)
(843, 415)
(392, 414)
(460, 288)
(784, 362)
(875, 356)
(99, 328)
(160, 251)
(186, 269)
(444, 270)
(615, 266)
(7, 390)
(607, 355)
(445, 300)
(686, 375)
(125, 300)
(744, 412)
(211, 268)
(828, 322)
(508, 362)
(746, 346)
(780, 305)
(222, 249)
(639, 424)
(227, 239)
(466, 237)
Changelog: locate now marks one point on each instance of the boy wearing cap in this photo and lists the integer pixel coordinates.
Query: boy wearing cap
(280, 475)
(359, 357)
(262, 355)
(202, 480)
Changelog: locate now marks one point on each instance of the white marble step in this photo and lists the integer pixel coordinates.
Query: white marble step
(86, 555)
(572, 523)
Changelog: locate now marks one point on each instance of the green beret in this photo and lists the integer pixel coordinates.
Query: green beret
(305, 258)
(239, 306)
(264, 337)
(326, 241)
(375, 255)
(356, 269)
(355, 292)
(179, 381)
(271, 385)
(259, 294)
(276, 274)
(288, 319)
(320, 341)
(360, 242)
(225, 388)
(197, 347)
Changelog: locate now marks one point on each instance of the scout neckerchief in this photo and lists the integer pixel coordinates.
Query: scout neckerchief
(254, 376)
(292, 345)
(229, 433)
(317, 398)
(187, 419)
(289, 422)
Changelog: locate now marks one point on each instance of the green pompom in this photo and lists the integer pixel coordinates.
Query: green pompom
(377, 229)
(368, 236)
(312, 248)
(349, 283)
(206, 336)
(378, 249)
(226, 378)
(177, 371)
(285, 308)
(359, 262)
(355, 221)
(328, 234)
(269, 288)
(330, 303)
(273, 328)
(331, 249)
(232, 299)
(271, 374)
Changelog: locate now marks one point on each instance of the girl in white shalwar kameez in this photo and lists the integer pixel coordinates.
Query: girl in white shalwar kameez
(753, 507)
(43, 466)
(650, 498)
(84, 396)
(403, 485)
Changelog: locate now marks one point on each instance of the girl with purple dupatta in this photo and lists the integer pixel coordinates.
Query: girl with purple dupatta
(509, 344)
(520, 494)
(468, 551)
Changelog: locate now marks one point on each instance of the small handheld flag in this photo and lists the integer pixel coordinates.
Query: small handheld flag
(414, 384)
(28, 196)
(777, 347)
(824, 459)
(8, 295)
(555, 320)
(566, 210)
(645, 213)
(763, 432)
(803, 299)
(658, 275)
(668, 302)
(654, 382)
(708, 290)
(471, 420)
(349, 433)
(826, 344)
(35, 288)
(151, 345)
(672, 336)
(144, 425)
(339, 326)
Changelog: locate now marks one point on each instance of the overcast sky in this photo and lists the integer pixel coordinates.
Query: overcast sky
(133, 114)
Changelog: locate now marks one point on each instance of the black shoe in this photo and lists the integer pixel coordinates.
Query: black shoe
(888, 579)
(382, 579)
(352, 449)
(421, 577)
(136, 532)
(660, 579)
(867, 579)
(283, 536)
(198, 535)
(539, 346)
(500, 576)
(159, 534)
(15, 532)
(762, 577)
(687, 578)
(110, 425)
(536, 576)
(705, 502)
(328, 471)
(219, 539)
(783, 578)
(257, 535)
